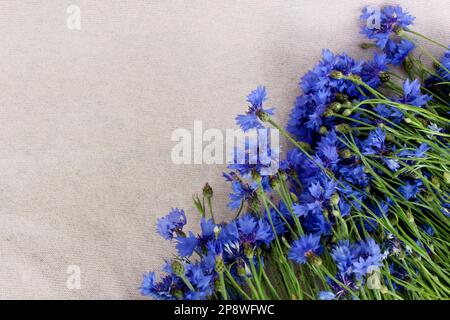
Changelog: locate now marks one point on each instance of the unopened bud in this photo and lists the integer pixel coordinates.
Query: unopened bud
(323, 130)
(447, 177)
(343, 128)
(335, 106)
(220, 266)
(345, 153)
(207, 191)
(334, 200)
(356, 78)
(384, 77)
(340, 97)
(336, 74)
(366, 45)
(294, 197)
(347, 112)
(315, 260)
(178, 268)
(328, 113)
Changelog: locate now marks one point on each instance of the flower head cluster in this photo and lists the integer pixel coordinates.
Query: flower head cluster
(358, 201)
(252, 119)
(233, 243)
(383, 26)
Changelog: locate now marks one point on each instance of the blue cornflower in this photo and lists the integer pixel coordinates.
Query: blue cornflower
(172, 223)
(428, 229)
(371, 70)
(392, 164)
(201, 281)
(157, 290)
(391, 19)
(241, 192)
(305, 247)
(317, 197)
(410, 191)
(389, 112)
(319, 90)
(186, 245)
(417, 153)
(355, 174)
(245, 233)
(412, 94)
(376, 144)
(397, 51)
(256, 155)
(207, 227)
(344, 254)
(251, 120)
(369, 257)
(327, 150)
(277, 220)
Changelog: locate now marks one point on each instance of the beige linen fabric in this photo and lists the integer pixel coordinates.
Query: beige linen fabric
(86, 118)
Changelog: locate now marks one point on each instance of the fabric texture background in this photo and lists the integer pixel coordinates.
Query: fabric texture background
(86, 118)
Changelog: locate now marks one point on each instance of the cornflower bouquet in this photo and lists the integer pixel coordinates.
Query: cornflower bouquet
(359, 209)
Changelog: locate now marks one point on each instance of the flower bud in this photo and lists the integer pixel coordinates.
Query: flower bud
(220, 266)
(274, 182)
(340, 97)
(366, 45)
(177, 294)
(447, 177)
(178, 268)
(323, 130)
(294, 197)
(407, 65)
(248, 251)
(241, 271)
(343, 128)
(336, 213)
(207, 191)
(328, 113)
(347, 112)
(408, 120)
(315, 260)
(347, 105)
(345, 153)
(435, 181)
(334, 201)
(384, 77)
(356, 78)
(336, 74)
(335, 106)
